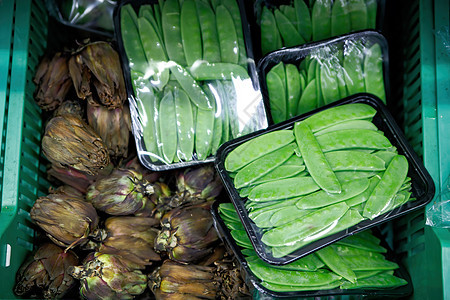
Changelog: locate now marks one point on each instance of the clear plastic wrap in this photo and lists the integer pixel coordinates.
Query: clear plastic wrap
(320, 73)
(438, 214)
(323, 176)
(192, 78)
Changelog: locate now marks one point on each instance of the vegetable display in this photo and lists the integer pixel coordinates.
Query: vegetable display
(302, 21)
(356, 262)
(328, 73)
(326, 174)
(189, 73)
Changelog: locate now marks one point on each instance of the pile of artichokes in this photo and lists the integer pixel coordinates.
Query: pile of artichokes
(109, 228)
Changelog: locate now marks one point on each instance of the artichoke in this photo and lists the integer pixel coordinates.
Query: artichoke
(52, 81)
(107, 276)
(45, 272)
(187, 233)
(67, 220)
(72, 107)
(113, 126)
(69, 142)
(201, 183)
(123, 192)
(132, 238)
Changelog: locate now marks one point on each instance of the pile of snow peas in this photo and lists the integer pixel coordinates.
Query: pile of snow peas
(188, 67)
(356, 262)
(330, 172)
(329, 73)
(313, 20)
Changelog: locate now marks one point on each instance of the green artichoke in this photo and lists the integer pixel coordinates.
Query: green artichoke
(67, 220)
(45, 273)
(107, 276)
(69, 142)
(187, 233)
(132, 238)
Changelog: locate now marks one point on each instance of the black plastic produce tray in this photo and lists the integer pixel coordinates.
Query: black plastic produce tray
(260, 292)
(294, 55)
(143, 155)
(423, 189)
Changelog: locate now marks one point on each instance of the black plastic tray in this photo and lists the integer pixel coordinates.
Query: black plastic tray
(423, 188)
(294, 55)
(140, 145)
(254, 283)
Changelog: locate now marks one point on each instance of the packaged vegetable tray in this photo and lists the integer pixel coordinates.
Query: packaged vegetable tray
(316, 74)
(315, 179)
(190, 76)
(379, 270)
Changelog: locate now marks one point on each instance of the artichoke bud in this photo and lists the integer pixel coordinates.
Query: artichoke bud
(187, 233)
(69, 142)
(123, 192)
(46, 272)
(202, 182)
(52, 81)
(71, 107)
(67, 220)
(148, 175)
(106, 276)
(132, 238)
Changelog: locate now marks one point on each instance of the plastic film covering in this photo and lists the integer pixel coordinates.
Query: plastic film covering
(192, 79)
(324, 176)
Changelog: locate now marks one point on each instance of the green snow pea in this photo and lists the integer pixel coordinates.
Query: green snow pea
(233, 225)
(215, 3)
(340, 77)
(170, 18)
(293, 89)
(368, 263)
(256, 147)
(322, 198)
(311, 71)
(387, 156)
(390, 183)
(146, 11)
(351, 124)
(265, 206)
(321, 20)
(263, 165)
(281, 172)
(401, 198)
(192, 88)
(366, 274)
(354, 160)
(203, 132)
(340, 18)
(287, 214)
(226, 31)
(252, 206)
(280, 69)
(283, 189)
(185, 124)
(343, 250)
(371, 6)
(241, 238)
(270, 36)
(315, 161)
(373, 72)
(328, 83)
(306, 227)
(336, 264)
(306, 263)
(210, 41)
(304, 19)
(227, 206)
(353, 72)
(359, 242)
(235, 12)
(231, 98)
(368, 235)
(290, 14)
(190, 32)
(361, 198)
(308, 99)
(218, 118)
(221, 97)
(288, 277)
(358, 14)
(338, 114)
(230, 215)
(303, 76)
(277, 97)
(217, 71)
(262, 218)
(291, 288)
(319, 95)
(168, 127)
(381, 280)
(353, 139)
(245, 191)
(352, 175)
(288, 31)
(157, 10)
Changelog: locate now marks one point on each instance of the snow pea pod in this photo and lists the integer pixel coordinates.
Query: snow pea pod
(312, 66)
(308, 99)
(371, 6)
(190, 32)
(338, 114)
(217, 71)
(293, 89)
(306, 227)
(321, 20)
(322, 198)
(304, 19)
(373, 72)
(218, 118)
(157, 13)
(351, 124)
(203, 132)
(170, 18)
(358, 14)
(340, 18)
(368, 263)
(271, 206)
(185, 124)
(353, 139)
(283, 189)
(288, 31)
(353, 160)
(361, 243)
(381, 280)
(336, 264)
(262, 166)
(233, 225)
(329, 84)
(226, 31)
(289, 12)
(227, 206)
(366, 274)
(364, 196)
(290, 288)
(262, 218)
(390, 183)
(146, 11)
(241, 238)
(288, 277)
(387, 156)
(281, 172)
(315, 161)
(319, 94)
(168, 127)
(307, 263)
(352, 175)
(343, 250)
(270, 36)
(256, 147)
(277, 97)
(235, 12)
(287, 214)
(353, 72)
(210, 41)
